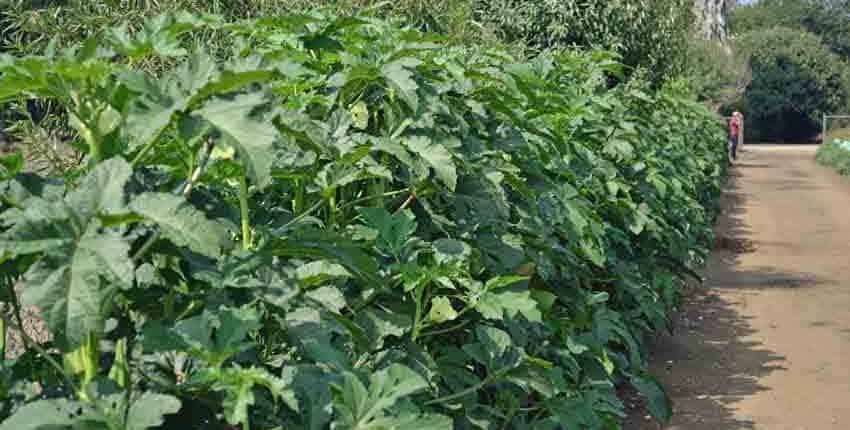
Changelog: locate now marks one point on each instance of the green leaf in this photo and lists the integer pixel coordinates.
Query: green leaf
(252, 138)
(657, 400)
(365, 408)
(436, 156)
(495, 305)
(393, 230)
(401, 81)
(101, 192)
(329, 297)
(41, 414)
(238, 384)
(148, 410)
(318, 272)
(181, 223)
(74, 289)
(11, 164)
(151, 112)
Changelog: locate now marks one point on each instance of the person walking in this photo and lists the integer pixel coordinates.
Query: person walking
(734, 134)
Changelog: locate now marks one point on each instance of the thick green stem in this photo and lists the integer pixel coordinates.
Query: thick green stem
(486, 381)
(244, 213)
(417, 318)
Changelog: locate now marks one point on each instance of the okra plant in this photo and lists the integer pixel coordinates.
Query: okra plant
(342, 223)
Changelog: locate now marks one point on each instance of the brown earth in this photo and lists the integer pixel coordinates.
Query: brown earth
(765, 343)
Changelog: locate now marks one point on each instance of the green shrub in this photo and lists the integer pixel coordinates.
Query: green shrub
(836, 155)
(342, 224)
(827, 19)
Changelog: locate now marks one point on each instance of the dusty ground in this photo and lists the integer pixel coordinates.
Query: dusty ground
(765, 344)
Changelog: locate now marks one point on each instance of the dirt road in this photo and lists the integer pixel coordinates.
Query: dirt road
(765, 344)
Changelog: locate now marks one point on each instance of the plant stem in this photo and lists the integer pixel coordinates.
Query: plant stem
(2, 342)
(373, 197)
(305, 214)
(16, 307)
(407, 202)
(142, 153)
(464, 392)
(243, 212)
(28, 340)
(186, 190)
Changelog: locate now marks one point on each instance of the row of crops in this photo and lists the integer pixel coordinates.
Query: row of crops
(344, 224)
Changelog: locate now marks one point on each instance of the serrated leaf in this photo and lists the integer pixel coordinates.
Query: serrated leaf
(151, 112)
(181, 223)
(238, 384)
(436, 156)
(394, 230)
(101, 192)
(252, 138)
(363, 408)
(402, 82)
(74, 290)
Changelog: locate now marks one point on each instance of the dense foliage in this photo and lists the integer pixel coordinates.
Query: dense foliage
(716, 73)
(343, 224)
(828, 19)
(795, 80)
(651, 34)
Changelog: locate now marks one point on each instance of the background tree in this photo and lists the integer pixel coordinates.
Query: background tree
(650, 34)
(795, 80)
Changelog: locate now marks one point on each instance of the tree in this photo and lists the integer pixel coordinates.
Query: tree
(649, 34)
(829, 19)
(795, 80)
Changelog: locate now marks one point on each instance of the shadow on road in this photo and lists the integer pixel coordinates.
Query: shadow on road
(708, 364)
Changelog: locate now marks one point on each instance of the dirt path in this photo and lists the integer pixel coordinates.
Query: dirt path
(765, 344)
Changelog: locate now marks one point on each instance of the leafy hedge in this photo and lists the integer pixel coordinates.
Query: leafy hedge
(343, 224)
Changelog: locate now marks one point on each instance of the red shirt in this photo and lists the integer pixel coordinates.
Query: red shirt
(734, 126)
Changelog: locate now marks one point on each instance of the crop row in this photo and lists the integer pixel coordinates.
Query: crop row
(345, 224)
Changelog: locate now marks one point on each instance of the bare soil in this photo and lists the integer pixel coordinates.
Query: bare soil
(765, 343)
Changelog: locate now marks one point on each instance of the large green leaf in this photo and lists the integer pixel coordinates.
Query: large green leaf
(42, 414)
(102, 192)
(238, 386)
(369, 408)
(181, 223)
(436, 156)
(394, 230)
(73, 288)
(252, 137)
